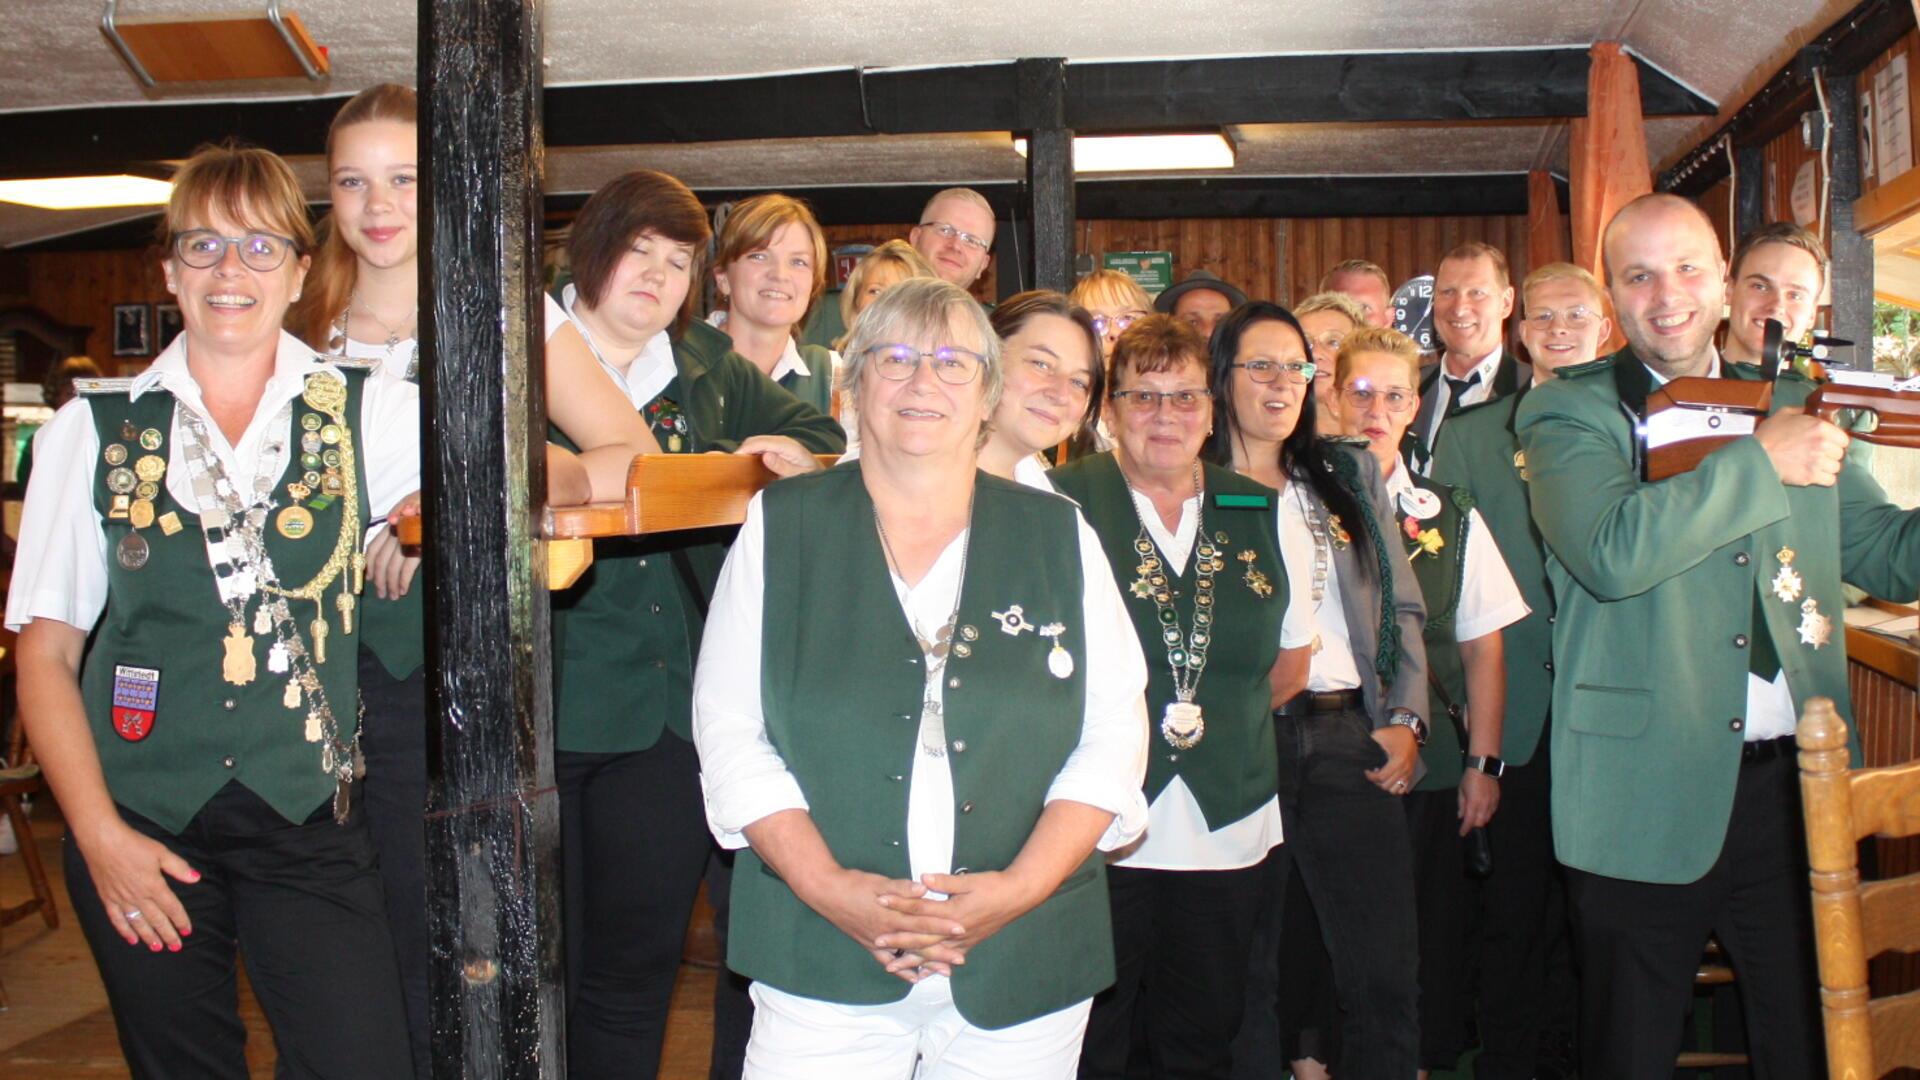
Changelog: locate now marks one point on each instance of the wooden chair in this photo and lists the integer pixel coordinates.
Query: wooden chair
(1712, 974)
(1853, 923)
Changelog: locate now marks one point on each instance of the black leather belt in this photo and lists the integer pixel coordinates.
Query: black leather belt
(1761, 750)
(1314, 703)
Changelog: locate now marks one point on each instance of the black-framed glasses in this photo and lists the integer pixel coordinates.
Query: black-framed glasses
(1147, 402)
(1267, 371)
(947, 232)
(951, 365)
(1578, 317)
(1118, 323)
(262, 252)
(1397, 401)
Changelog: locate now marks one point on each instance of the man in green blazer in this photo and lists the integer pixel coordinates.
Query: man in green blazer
(1696, 615)
(1563, 324)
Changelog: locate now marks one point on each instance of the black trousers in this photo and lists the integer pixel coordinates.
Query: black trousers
(1348, 841)
(302, 903)
(1184, 935)
(634, 842)
(1518, 921)
(732, 1008)
(1442, 899)
(1640, 944)
(393, 738)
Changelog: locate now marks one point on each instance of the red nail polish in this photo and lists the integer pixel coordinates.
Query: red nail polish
(176, 948)
(155, 947)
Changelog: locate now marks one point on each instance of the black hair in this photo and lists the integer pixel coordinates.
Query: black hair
(1304, 455)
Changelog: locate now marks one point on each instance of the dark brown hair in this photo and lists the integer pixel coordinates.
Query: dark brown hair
(1013, 313)
(331, 279)
(642, 201)
(1781, 232)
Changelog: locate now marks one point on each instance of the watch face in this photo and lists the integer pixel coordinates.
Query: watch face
(1413, 311)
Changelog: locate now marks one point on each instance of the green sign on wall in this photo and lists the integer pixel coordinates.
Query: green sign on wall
(1153, 270)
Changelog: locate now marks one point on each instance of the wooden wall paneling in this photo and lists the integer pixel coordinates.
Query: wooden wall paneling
(80, 288)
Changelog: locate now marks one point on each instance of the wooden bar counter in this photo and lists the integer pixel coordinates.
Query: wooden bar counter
(1882, 676)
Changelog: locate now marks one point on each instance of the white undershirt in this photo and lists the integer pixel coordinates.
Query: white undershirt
(1333, 667)
(745, 779)
(1769, 704)
(60, 566)
(1487, 367)
(1178, 837)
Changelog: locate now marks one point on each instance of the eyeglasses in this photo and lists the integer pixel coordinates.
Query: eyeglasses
(1147, 402)
(259, 251)
(947, 232)
(1267, 371)
(1576, 318)
(1330, 341)
(1397, 401)
(897, 363)
(1118, 323)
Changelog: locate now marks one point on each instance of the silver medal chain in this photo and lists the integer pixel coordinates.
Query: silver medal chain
(1322, 541)
(933, 726)
(1186, 654)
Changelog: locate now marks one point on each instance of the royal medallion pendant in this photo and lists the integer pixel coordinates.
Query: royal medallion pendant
(1182, 725)
(237, 666)
(1787, 584)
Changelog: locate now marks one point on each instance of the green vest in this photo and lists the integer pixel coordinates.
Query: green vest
(816, 387)
(626, 634)
(395, 631)
(1441, 573)
(1232, 771)
(167, 617)
(841, 682)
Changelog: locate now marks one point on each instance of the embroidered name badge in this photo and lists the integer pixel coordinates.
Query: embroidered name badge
(135, 691)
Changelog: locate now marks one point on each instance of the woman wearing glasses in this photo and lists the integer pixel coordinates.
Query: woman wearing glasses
(185, 592)
(1470, 597)
(1115, 301)
(633, 847)
(1327, 318)
(918, 715)
(1348, 743)
(1194, 548)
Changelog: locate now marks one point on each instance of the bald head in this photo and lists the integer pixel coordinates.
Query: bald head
(1667, 281)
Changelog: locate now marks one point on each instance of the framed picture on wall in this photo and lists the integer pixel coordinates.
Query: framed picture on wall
(167, 316)
(132, 330)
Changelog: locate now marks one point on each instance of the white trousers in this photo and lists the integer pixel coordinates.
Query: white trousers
(920, 1037)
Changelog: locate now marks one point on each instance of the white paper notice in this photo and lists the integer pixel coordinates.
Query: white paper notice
(1806, 197)
(1892, 119)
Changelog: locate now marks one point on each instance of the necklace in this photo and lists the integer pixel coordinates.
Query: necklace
(1182, 725)
(933, 727)
(1322, 549)
(343, 334)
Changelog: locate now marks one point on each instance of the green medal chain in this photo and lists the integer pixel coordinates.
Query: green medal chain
(1182, 725)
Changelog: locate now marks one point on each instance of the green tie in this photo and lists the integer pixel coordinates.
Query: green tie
(1765, 661)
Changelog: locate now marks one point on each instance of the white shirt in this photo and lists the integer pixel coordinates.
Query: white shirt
(645, 378)
(60, 569)
(790, 362)
(745, 779)
(1489, 597)
(1178, 837)
(1333, 667)
(1487, 367)
(1770, 712)
(1032, 471)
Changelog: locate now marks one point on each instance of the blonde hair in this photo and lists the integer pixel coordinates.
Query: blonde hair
(1353, 266)
(1110, 289)
(335, 270)
(1377, 339)
(1333, 301)
(751, 226)
(897, 254)
(964, 194)
(1563, 271)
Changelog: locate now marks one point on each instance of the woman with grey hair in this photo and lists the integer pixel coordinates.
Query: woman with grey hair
(919, 715)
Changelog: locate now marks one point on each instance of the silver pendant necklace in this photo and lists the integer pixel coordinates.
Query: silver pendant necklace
(933, 726)
(1182, 724)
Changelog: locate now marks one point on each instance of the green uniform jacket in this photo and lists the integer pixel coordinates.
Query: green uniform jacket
(842, 681)
(1441, 574)
(1233, 770)
(1656, 583)
(1482, 456)
(816, 387)
(626, 634)
(159, 645)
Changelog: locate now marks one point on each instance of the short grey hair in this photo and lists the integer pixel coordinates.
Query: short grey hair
(921, 309)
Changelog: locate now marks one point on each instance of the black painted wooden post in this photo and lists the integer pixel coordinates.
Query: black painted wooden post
(1749, 190)
(1852, 253)
(493, 816)
(1043, 117)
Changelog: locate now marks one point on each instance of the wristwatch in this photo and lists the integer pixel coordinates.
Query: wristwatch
(1412, 722)
(1487, 763)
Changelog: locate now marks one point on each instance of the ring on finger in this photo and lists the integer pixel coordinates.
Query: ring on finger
(131, 915)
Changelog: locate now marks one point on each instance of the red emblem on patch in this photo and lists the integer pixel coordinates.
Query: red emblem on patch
(136, 691)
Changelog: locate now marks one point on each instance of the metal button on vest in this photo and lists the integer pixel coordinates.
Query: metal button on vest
(655, 608)
(643, 562)
(959, 746)
(1742, 559)
(1736, 724)
(897, 777)
(913, 660)
(1551, 619)
(953, 683)
(1739, 641)
(1548, 665)
(660, 663)
(966, 807)
(227, 761)
(894, 843)
(1173, 757)
(903, 716)
(229, 704)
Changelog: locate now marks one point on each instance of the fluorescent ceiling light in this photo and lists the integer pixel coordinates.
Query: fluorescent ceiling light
(86, 192)
(1147, 153)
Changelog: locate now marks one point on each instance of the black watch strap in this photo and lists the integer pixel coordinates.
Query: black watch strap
(1487, 763)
